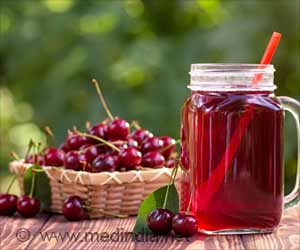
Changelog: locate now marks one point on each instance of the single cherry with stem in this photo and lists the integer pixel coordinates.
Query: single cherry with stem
(72, 161)
(159, 220)
(117, 129)
(169, 146)
(140, 135)
(8, 202)
(54, 157)
(99, 130)
(129, 158)
(153, 159)
(184, 223)
(152, 144)
(90, 151)
(104, 163)
(27, 205)
(73, 209)
(75, 141)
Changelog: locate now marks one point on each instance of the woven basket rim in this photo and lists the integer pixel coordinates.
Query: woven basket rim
(98, 179)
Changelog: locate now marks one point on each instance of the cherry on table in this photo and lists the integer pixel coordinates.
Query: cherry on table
(141, 134)
(185, 225)
(73, 209)
(159, 221)
(54, 157)
(129, 158)
(153, 159)
(118, 129)
(105, 163)
(28, 206)
(8, 204)
(152, 144)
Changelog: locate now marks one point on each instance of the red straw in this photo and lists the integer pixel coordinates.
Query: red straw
(268, 54)
(217, 176)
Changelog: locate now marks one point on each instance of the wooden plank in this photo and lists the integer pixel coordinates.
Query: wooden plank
(87, 234)
(62, 231)
(16, 232)
(113, 234)
(285, 237)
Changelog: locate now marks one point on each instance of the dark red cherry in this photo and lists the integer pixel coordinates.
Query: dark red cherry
(105, 163)
(169, 146)
(90, 151)
(72, 160)
(159, 221)
(28, 206)
(98, 130)
(118, 129)
(64, 147)
(8, 204)
(54, 157)
(75, 141)
(170, 163)
(129, 158)
(185, 225)
(153, 159)
(141, 134)
(132, 143)
(73, 209)
(35, 159)
(152, 144)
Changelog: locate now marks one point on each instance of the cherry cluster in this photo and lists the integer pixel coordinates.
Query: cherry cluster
(162, 221)
(26, 205)
(109, 146)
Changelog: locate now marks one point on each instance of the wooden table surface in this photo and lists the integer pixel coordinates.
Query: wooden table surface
(54, 232)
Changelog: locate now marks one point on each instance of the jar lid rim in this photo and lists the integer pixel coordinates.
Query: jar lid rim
(221, 67)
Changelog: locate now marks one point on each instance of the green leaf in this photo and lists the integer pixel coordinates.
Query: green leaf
(152, 201)
(42, 189)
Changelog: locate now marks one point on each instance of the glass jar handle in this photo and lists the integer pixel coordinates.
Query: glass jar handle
(293, 106)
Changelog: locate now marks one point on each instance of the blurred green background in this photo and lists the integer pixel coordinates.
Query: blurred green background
(140, 51)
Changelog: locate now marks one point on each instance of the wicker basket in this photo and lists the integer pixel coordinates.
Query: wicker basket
(116, 192)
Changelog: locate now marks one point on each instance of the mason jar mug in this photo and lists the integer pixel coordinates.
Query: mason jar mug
(232, 144)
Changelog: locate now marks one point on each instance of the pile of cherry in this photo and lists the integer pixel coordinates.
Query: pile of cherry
(106, 146)
(109, 146)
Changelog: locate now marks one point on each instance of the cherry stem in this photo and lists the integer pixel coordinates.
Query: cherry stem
(50, 134)
(32, 183)
(100, 139)
(169, 146)
(171, 182)
(95, 82)
(11, 183)
(135, 124)
(87, 125)
(30, 145)
(15, 155)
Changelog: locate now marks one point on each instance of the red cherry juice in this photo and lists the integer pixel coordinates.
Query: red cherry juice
(250, 194)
